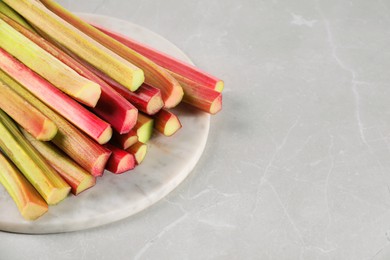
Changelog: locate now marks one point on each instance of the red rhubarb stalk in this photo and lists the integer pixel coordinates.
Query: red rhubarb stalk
(120, 160)
(124, 141)
(89, 123)
(166, 122)
(168, 62)
(205, 99)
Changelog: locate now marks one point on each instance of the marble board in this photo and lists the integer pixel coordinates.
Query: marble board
(167, 164)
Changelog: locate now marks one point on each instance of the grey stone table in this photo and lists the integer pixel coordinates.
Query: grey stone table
(297, 165)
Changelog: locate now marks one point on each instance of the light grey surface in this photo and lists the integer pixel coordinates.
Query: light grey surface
(297, 164)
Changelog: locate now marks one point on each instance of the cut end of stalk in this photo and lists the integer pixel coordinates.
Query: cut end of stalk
(89, 95)
(154, 105)
(33, 210)
(127, 163)
(131, 117)
(105, 135)
(99, 165)
(130, 141)
(140, 155)
(219, 86)
(174, 98)
(57, 195)
(216, 105)
(139, 151)
(172, 126)
(138, 79)
(30, 204)
(88, 182)
(49, 130)
(145, 131)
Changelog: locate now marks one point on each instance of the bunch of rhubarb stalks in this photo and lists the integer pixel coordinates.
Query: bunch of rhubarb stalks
(77, 99)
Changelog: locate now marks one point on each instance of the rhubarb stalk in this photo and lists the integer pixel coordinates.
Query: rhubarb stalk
(39, 173)
(26, 114)
(139, 151)
(120, 160)
(47, 66)
(79, 43)
(124, 141)
(30, 204)
(146, 98)
(144, 127)
(9, 12)
(78, 179)
(88, 122)
(200, 97)
(201, 90)
(156, 76)
(168, 62)
(69, 139)
(166, 122)
(111, 107)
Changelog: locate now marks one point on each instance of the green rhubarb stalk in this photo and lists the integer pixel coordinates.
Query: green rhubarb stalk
(34, 167)
(25, 114)
(47, 66)
(69, 139)
(28, 201)
(82, 45)
(155, 75)
(78, 179)
(9, 12)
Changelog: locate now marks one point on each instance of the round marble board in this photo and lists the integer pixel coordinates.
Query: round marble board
(168, 162)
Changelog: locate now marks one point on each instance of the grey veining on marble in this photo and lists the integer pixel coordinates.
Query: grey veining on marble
(297, 166)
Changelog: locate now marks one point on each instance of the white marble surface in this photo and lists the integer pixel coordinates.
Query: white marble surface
(297, 166)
